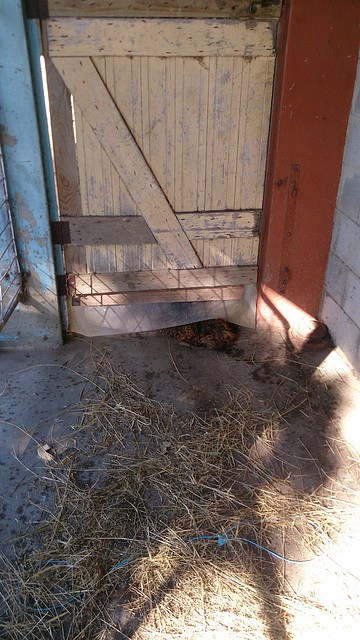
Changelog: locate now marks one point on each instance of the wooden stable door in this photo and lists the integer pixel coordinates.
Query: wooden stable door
(160, 134)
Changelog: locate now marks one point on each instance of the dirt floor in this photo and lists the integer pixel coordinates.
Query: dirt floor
(312, 399)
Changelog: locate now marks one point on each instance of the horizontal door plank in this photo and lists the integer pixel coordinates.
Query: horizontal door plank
(219, 224)
(110, 128)
(157, 296)
(86, 284)
(163, 9)
(100, 230)
(153, 37)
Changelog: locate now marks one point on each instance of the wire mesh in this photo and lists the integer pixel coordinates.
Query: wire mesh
(10, 275)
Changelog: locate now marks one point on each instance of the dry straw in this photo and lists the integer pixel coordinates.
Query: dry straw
(144, 540)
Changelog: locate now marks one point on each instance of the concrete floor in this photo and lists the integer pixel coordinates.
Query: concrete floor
(40, 390)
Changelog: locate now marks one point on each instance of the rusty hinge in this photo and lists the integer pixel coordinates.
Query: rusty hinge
(60, 232)
(36, 9)
(289, 226)
(66, 284)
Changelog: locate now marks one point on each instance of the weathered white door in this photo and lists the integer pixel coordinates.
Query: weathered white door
(163, 194)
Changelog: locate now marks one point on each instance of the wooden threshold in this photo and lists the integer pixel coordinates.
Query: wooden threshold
(158, 296)
(211, 277)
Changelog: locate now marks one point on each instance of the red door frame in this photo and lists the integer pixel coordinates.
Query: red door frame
(318, 50)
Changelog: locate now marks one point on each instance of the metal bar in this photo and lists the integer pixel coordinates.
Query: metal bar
(5, 315)
(14, 260)
(4, 229)
(9, 287)
(25, 176)
(40, 85)
(6, 277)
(6, 249)
(16, 280)
(11, 276)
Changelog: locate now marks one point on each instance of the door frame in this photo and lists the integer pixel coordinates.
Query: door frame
(316, 67)
(318, 50)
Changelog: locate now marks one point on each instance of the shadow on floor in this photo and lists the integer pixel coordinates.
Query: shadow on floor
(41, 391)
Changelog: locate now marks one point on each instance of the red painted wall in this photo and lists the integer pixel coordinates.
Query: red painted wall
(316, 68)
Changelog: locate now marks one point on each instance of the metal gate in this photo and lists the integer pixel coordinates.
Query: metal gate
(10, 275)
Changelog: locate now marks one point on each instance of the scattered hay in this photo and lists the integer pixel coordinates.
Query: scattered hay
(159, 527)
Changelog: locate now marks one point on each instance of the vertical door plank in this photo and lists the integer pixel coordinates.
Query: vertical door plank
(116, 192)
(254, 129)
(105, 192)
(170, 97)
(190, 134)
(222, 136)
(179, 124)
(119, 257)
(145, 115)
(111, 257)
(66, 169)
(75, 259)
(130, 255)
(159, 261)
(145, 256)
(93, 169)
(235, 101)
(256, 122)
(105, 176)
(123, 89)
(107, 181)
(242, 136)
(270, 67)
(210, 134)
(97, 259)
(135, 123)
(123, 81)
(202, 140)
(158, 98)
(158, 119)
(81, 157)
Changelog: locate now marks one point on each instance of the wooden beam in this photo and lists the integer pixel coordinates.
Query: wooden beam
(86, 284)
(164, 9)
(153, 37)
(100, 230)
(207, 225)
(317, 58)
(66, 169)
(110, 128)
(158, 296)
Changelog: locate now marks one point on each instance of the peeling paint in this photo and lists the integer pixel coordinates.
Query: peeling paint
(6, 138)
(26, 184)
(23, 210)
